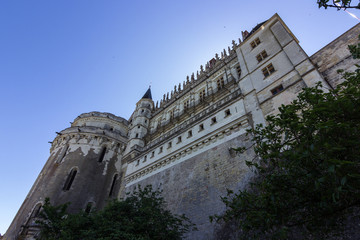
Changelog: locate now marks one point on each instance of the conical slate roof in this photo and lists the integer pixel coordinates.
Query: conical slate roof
(148, 94)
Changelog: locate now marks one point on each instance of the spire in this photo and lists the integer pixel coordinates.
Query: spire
(148, 94)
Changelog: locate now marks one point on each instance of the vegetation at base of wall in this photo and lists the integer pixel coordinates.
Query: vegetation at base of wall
(140, 216)
(307, 167)
(338, 4)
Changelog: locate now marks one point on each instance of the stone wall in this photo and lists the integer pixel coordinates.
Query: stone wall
(336, 56)
(194, 187)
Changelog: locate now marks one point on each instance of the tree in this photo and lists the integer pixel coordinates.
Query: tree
(339, 4)
(307, 167)
(140, 216)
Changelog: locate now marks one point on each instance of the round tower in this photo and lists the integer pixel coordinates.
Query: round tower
(139, 124)
(84, 168)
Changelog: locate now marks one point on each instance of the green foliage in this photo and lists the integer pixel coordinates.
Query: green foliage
(307, 169)
(141, 216)
(339, 4)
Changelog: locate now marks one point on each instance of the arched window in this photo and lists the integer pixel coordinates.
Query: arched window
(102, 155)
(70, 179)
(113, 185)
(36, 210)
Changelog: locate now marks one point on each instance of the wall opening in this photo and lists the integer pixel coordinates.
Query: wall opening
(70, 180)
(113, 185)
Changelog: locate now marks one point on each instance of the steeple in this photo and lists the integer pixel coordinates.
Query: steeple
(147, 94)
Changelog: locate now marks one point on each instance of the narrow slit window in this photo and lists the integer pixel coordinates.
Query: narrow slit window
(145, 158)
(160, 149)
(238, 71)
(113, 185)
(179, 139)
(227, 112)
(189, 133)
(152, 154)
(213, 120)
(70, 180)
(201, 127)
(102, 155)
(169, 145)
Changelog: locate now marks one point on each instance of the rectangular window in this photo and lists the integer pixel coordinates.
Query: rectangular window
(145, 158)
(213, 120)
(261, 56)
(152, 154)
(161, 149)
(169, 145)
(227, 112)
(171, 114)
(201, 127)
(179, 140)
(255, 43)
(189, 134)
(268, 70)
(220, 83)
(277, 89)
(186, 104)
(238, 70)
(202, 95)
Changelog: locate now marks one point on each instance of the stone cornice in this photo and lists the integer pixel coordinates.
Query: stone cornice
(188, 149)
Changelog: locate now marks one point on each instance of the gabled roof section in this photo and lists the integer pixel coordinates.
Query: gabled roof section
(147, 94)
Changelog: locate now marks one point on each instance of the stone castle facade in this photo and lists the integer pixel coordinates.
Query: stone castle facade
(183, 143)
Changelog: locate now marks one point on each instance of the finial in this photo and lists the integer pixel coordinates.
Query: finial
(157, 104)
(233, 44)
(229, 50)
(167, 96)
(183, 84)
(175, 91)
(164, 97)
(217, 56)
(201, 68)
(192, 77)
(239, 40)
(197, 75)
(222, 55)
(187, 79)
(225, 53)
(172, 94)
(207, 66)
(179, 87)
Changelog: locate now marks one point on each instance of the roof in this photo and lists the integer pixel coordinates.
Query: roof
(147, 94)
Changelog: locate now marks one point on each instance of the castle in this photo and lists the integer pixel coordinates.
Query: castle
(183, 144)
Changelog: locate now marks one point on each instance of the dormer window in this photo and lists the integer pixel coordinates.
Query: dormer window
(220, 83)
(255, 43)
(202, 95)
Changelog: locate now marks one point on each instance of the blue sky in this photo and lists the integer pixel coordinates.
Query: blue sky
(59, 59)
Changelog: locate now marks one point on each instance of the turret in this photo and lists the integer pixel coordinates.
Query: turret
(139, 124)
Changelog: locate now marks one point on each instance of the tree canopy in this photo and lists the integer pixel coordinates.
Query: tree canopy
(307, 167)
(339, 4)
(140, 216)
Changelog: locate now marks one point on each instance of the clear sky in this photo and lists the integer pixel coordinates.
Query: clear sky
(61, 58)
